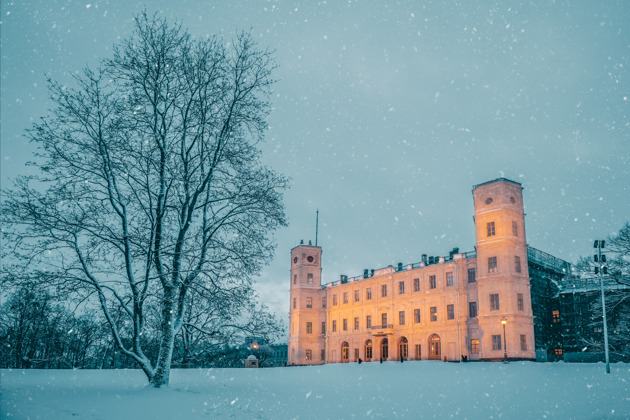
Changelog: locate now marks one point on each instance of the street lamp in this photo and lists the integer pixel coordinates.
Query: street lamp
(505, 360)
(600, 259)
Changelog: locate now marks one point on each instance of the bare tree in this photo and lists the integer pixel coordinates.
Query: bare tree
(151, 183)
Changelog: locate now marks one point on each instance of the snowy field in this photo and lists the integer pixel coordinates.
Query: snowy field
(412, 390)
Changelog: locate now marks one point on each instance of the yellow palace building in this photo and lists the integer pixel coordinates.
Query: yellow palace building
(473, 305)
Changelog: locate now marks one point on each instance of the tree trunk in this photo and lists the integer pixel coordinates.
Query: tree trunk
(162, 372)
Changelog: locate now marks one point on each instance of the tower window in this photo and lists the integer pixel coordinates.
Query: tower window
(514, 229)
(309, 302)
(494, 302)
(490, 228)
(517, 263)
(492, 264)
(295, 279)
(294, 303)
(519, 302)
(523, 342)
(309, 278)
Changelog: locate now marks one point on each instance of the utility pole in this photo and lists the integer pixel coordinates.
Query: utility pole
(600, 259)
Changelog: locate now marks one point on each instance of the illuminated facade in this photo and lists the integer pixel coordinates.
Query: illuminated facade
(441, 308)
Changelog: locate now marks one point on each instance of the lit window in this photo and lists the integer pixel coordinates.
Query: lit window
(384, 290)
(517, 263)
(472, 275)
(449, 279)
(356, 295)
(345, 324)
(450, 311)
(474, 346)
(432, 282)
(309, 278)
(558, 352)
(519, 302)
(356, 322)
(472, 309)
(401, 318)
(492, 264)
(384, 320)
(416, 316)
(416, 285)
(401, 287)
(309, 354)
(496, 342)
(368, 293)
(334, 300)
(309, 302)
(309, 328)
(345, 297)
(433, 313)
(523, 343)
(334, 327)
(556, 316)
(490, 228)
(494, 302)
(368, 321)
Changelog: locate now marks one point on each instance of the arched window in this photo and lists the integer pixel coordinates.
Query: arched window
(345, 352)
(384, 349)
(434, 347)
(403, 345)
(368, 350)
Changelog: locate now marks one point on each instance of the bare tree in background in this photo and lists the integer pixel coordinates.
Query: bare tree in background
(151, 186)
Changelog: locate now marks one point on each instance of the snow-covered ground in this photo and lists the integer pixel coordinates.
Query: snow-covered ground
(522, 390)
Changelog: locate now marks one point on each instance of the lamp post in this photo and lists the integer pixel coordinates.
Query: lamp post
(601, 268)
(505, 360)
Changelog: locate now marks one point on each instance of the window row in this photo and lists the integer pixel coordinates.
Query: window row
(498, 342)
(493, 265)
(491, 230)
(309, 278)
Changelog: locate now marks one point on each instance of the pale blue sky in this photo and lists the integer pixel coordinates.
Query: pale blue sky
(386, 114)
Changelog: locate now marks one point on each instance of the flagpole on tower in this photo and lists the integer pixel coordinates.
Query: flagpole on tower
(316, 226)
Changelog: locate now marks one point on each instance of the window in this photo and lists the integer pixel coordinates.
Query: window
(494, 302)
(309, 354)
(472, 309)
(556, 316)
(368, 321)
(401, 287)
(368, 350)
(492, 264)
(450, 311)
(334, 300)
(514, 229)
(496, 342)
(558, 352)
(490, 228)
(334, 325)
(345, 324)
(384, 290)
(433, 313)
(295, 279)
(309, 328)
(401, 318)
(449, 279)
(384, 320)
(472, 275)
(474, 346)
(323, 356)
(309, 302)
(309, 278)
(294, 303)
(432, 283)
(324, 327)
(517, 263)
(356, 322)
(416, 285)
(345, 297)
(523, 342)
(356, 354)
(416, 316)
(418, 348)
(356, 295)
(519, 301)
(368, 293)
(323, 301)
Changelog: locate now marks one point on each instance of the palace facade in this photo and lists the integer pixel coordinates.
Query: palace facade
(473, 305)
